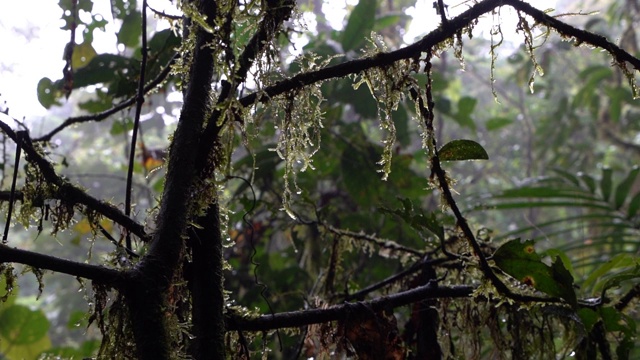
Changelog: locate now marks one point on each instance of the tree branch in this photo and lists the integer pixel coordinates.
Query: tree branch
(136, 119)
(359, 295)
(427, 113)
(70, 193)
(97, 273)
(341, 312)
(277, 12)
(6, 195)
(582, 36)
(146, 294)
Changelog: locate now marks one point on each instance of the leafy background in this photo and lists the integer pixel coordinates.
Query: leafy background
(560, 173)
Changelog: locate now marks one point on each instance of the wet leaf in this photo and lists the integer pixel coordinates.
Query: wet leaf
(520, 260)
(457, 150)
(23, 326)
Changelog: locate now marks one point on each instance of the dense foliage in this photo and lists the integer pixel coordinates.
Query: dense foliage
(241, 179)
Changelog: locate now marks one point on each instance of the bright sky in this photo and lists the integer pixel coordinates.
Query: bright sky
(33, 42)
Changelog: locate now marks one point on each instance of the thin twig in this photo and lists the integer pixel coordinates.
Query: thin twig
(136, 121)
(383, 243)
(162, 14)
(427, 112)
(105, 114)
(359, 295)
(12, 197)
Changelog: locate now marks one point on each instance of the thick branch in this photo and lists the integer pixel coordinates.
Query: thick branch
(72, 194)
(206, 285)
(153, 274)
(6, 195)
(341, 312)
(47, 262)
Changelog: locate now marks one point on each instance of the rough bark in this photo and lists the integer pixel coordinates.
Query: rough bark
(207, 297)
(151, 278)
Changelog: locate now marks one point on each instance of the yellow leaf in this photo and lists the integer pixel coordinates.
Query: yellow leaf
(82, 54)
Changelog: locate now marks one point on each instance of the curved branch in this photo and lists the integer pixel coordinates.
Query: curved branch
(71, 193)
(341, 312)
(105, 114)
(582, 36)
(432, 39)
(47, 262)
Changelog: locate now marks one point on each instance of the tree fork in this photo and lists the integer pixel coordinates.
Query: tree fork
(150, 279)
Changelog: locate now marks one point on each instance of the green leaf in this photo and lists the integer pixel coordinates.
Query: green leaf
(520, 260)
(77, 319)
(443, 104)
(461, 149)
(48, 93)
(618, 96)
(466, 105)
(363, 103)
(11, 297)
(360, 174)
(129, 34)
(556, 253)
(120, 127)
(120, 8)
(23, 326)
(389, 20)
(613, 320)
(104, 68)
(615, 280)
(622, 190)
(618, 261)
(563, 283)
(588, 318)
(606, 183)
(30, 351)
(589, 181)
(567, 176)
(498, 123)
(634, 206)
(438, 82)
(625, 346)
(360, 25)
(401, 120)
